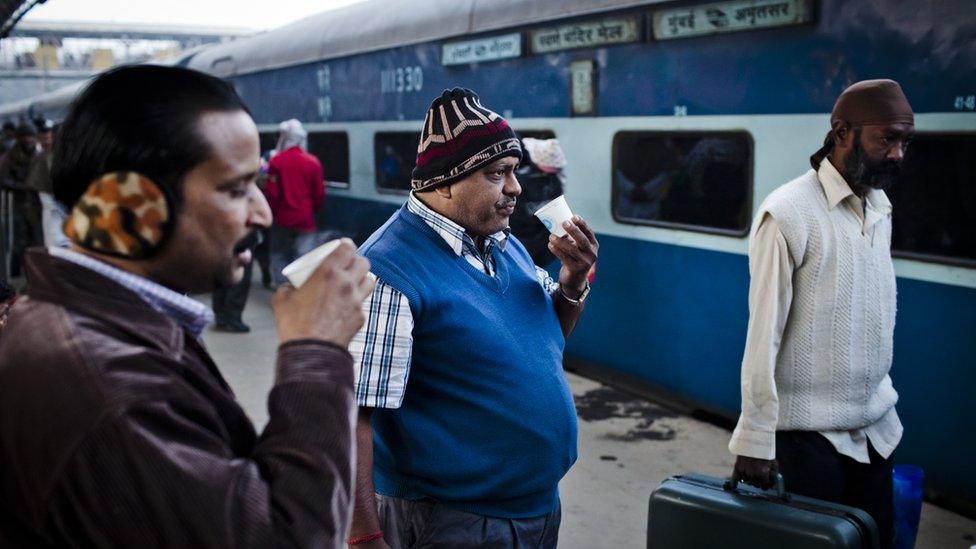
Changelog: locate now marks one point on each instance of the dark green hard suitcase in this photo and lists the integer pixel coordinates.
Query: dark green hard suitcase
(697, 511)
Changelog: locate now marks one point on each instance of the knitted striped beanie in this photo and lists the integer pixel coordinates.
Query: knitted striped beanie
(460, 136)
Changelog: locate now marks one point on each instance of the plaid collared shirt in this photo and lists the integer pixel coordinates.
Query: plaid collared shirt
(189, 313)
(382, 348)
(459, 240)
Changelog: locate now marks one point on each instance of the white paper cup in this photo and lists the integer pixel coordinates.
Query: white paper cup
(554, 214)
(298, 271)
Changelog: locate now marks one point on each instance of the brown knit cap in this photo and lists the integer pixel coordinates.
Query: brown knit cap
(866, 103)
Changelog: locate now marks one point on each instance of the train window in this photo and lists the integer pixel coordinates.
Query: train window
(934, 200)
(537, 134)
(700, 181)
(267, 142)
(395, 154)
(332, 150)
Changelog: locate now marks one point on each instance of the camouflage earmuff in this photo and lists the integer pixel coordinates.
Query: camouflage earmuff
(124, 214)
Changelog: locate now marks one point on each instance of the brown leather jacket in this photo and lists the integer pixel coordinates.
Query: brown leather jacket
(117, 430)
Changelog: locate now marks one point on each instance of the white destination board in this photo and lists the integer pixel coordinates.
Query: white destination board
(729, 17)
(581, 81)
(506, 46)
(617, 30)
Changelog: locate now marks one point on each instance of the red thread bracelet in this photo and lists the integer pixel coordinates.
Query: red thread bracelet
(365, 539)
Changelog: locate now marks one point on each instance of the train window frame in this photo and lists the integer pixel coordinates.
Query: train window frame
(750, 183)
(345, 138)
(269, 138)
(922, 257)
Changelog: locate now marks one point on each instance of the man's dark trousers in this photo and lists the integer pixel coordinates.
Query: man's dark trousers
(812, 467)
(27, 227)
(428, 524)
(229, 301)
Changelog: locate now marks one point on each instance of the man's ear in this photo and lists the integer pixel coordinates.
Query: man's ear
(444, 191)
(842, 133)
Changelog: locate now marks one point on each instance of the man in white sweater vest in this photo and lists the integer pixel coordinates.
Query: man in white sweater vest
(817, 401)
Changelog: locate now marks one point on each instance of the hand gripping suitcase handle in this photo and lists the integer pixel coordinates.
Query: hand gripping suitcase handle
(779, 487)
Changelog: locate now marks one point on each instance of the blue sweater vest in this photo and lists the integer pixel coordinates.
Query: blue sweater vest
(487, 424)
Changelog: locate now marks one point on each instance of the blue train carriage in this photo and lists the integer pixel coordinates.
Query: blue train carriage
(677, 118)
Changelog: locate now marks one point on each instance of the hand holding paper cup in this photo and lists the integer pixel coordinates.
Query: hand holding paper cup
(329, 304)
(554, 214)
(298, 271)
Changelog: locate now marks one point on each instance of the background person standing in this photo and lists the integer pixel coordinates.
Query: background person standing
(540, 174)
(26, 207)
(39, 180)
(9, 137)
(228, 304)
(295, 191)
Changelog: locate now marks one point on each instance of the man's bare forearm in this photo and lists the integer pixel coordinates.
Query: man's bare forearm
(568, 313)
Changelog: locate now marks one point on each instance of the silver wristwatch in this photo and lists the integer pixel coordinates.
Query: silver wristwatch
(579, 301)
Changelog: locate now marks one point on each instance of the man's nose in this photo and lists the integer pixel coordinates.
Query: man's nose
(897, 152)
(512, 187)
(259, 213)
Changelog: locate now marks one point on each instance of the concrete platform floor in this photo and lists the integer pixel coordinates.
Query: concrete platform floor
(627, 446)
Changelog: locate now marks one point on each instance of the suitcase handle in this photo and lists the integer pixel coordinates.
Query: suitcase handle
(779, 488)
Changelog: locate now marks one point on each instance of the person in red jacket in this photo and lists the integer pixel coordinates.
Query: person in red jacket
(295, 191)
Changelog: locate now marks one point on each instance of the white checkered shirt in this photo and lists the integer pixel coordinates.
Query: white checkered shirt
(382, 348)
(189, 313)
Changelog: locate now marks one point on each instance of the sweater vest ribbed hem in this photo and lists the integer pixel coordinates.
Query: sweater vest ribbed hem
(528, 506)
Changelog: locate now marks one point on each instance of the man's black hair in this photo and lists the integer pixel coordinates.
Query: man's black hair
(9, 126)
(6, 292)
(26, 129)
(141, 118)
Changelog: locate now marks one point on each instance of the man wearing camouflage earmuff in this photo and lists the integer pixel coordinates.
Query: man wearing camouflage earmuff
(116, 428)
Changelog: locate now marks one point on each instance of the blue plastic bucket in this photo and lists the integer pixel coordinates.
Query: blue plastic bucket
(908, 483)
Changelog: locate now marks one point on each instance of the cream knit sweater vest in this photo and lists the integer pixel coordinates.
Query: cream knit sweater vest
(833, 362)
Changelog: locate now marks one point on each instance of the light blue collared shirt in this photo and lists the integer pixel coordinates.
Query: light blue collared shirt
(189, 313)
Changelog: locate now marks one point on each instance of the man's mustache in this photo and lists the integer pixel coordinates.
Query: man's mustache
(249, 242)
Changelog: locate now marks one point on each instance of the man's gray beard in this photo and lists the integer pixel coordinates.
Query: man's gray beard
(863, 176)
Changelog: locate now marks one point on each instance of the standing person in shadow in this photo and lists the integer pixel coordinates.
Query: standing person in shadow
(39, 179)
(542, 179)
(26, 206)
(228, 301)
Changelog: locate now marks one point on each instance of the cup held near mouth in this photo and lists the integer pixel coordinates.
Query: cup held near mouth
(553, 214)
(298, 271)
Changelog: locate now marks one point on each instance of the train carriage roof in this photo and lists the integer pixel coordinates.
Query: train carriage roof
(380, 24)
(50, 104)
(368, 26)
(54, 104)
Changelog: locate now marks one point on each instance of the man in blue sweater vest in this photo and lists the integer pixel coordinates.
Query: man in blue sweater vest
(469, 453)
